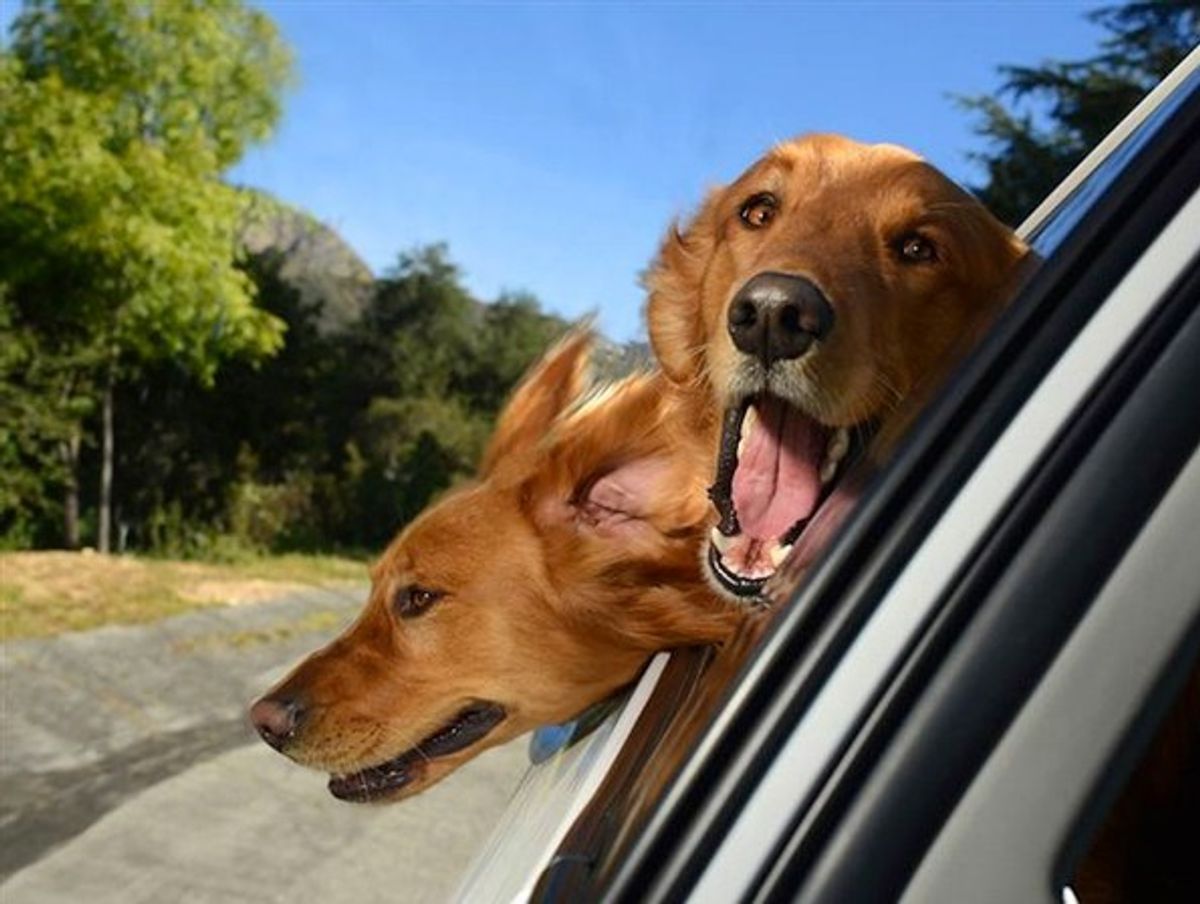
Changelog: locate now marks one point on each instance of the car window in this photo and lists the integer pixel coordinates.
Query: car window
(1144, 848)
(1049, 234)
(713, 691)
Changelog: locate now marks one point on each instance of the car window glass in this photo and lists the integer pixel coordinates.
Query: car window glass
(1049, 234)
(711, 692)
(1144, 849)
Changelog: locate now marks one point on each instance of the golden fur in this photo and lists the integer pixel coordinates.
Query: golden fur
(568, 562)
(844, 205)
(844, 212)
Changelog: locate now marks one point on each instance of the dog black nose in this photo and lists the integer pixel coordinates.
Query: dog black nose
(776, 317)
(276, 721)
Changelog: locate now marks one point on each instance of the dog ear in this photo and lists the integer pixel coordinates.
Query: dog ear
(545, 392)
(619, 467)
(620, 503)
(617, 493)
(675, 282)
(999, 261)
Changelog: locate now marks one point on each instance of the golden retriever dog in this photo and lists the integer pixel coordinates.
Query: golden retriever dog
(519, 599)
(806, 300)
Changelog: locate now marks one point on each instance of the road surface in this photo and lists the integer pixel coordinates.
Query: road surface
(127, 773)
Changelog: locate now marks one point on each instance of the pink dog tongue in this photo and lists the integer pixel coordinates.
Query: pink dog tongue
(777, 481)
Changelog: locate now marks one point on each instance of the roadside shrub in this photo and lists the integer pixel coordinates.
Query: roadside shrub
(272, 517)
(167, 532)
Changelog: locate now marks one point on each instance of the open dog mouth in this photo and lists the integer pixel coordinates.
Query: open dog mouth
(471, 724)
(775, 467)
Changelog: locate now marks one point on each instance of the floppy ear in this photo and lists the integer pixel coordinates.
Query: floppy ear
(545, 392)
(999, 261)
(621, 503)
(675, 282)
(618, 468)
(618, 496)
(636, 529)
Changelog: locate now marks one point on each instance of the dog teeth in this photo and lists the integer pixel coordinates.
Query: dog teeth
(779, 553)
(839, 445)
(828, 470)
(748, 422)
(835, 451)
(719, 540)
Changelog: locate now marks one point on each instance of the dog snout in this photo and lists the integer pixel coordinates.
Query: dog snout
(776, 317)
(277, 720)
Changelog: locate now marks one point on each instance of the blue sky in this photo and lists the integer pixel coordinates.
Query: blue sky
(550, 143)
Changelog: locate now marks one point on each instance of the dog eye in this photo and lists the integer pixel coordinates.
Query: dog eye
(759, 210)
(412, 600)
(914, 248)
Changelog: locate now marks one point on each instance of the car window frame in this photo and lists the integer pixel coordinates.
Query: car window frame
(733, 755)
(1020, 829)
(1008, 619)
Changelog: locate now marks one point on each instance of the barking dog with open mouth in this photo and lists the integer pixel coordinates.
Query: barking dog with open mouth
(808, 299)
(520, 599)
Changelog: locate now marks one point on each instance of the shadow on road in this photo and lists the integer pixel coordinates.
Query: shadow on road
(129, 774)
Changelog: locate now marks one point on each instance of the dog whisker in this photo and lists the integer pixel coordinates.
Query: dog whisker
(951, 205)
(893, 394)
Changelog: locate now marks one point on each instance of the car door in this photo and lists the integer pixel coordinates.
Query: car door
(777, 800)
(767, 769)
(987, 764)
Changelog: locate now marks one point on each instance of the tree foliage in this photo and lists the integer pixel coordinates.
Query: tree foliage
(280, 395)
(344, 435)
(117, 120)
(200, 79)
(1058, 111)
(41, 403)
(118, 238)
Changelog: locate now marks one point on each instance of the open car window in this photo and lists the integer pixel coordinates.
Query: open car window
(1048, 227)
(722, 715)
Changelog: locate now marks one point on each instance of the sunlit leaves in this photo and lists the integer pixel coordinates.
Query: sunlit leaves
(118, 238)
(198, 77)
(116, 120)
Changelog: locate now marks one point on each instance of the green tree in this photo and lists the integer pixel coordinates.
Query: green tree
(195, 446)
(1058, 111)
(514, 332)
(40, 409)
(412, 429)
(423, 376)
(347, 432)
(427, 321)
(117, 235)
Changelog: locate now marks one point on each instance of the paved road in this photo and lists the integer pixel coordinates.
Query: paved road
(127, 773)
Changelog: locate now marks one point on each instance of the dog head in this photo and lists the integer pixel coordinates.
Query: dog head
(808, 299)
(517, 600)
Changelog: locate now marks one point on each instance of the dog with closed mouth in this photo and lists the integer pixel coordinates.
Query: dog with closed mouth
(519, 599)
(806, 300)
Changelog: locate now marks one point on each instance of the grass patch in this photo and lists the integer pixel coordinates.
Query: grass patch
(44, 593)
(293, 566)
(324, 621)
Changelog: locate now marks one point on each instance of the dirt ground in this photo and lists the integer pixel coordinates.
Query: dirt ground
(46, 593)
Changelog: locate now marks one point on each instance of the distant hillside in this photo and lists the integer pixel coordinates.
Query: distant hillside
(612, 360)
(325, 270)
(317, 262)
